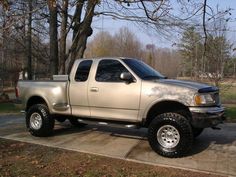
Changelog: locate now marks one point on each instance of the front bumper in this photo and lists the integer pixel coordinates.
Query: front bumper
(203, 117)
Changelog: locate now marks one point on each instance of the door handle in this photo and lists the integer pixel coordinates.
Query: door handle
(94, 89)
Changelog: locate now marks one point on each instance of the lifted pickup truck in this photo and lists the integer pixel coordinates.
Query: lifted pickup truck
(125, 92)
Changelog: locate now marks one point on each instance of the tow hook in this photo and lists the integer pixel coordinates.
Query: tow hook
(216, 128)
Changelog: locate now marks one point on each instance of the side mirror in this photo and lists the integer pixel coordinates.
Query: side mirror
(126, 76)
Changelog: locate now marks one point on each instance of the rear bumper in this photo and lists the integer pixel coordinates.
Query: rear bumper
(203, 117)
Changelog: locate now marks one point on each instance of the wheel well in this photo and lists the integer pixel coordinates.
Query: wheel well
(166, 106)
(35, 100)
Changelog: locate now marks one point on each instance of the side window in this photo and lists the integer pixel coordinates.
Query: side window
(83, 70)
(109, 71)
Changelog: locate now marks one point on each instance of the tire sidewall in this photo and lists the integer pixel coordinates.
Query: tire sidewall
(47, 122)
(169, 119)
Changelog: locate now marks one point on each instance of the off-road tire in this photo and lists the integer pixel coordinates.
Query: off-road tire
(180, 123)
(48, 122)
(76, 123)
(197, 131)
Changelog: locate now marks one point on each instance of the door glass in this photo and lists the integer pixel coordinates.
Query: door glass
(109, 71)
(83, 71)
(144, 71)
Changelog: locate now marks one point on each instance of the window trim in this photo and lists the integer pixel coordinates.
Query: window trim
(88, 73)
(112, 81)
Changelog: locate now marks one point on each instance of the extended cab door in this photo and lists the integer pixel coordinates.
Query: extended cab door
(78, 90)
(109, 96)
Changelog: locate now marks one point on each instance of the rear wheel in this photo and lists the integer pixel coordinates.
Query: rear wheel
(38, 120)
(170, 135)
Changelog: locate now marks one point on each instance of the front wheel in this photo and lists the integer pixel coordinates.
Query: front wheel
(170, 135)
(38, 120)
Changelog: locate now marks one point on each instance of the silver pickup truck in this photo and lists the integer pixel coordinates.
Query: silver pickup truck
(123, 92)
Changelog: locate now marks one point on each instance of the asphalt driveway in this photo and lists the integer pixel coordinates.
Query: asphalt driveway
(214, 151)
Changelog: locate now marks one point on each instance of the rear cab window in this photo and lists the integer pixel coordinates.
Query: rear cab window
(83, 70)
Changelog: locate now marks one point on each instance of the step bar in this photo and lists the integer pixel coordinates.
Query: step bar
(110, 123)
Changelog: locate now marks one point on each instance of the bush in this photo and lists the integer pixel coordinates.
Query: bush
(4, 97)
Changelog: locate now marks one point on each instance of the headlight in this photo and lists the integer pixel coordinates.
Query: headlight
(204, 99)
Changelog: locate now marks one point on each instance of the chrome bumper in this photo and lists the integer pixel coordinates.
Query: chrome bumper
(203, 117)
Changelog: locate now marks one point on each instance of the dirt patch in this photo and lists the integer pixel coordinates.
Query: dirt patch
(24, 159)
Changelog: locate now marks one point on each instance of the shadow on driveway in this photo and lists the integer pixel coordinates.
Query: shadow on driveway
(213, 151)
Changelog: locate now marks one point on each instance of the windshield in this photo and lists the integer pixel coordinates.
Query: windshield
(144, 71)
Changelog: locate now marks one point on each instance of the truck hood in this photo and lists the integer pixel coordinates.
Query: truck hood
(200, 87)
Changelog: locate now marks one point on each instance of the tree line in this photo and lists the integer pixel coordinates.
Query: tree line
(125, 43)
(212, 59)
(186, 60)
(42, 38)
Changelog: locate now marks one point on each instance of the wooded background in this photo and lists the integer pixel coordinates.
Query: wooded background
(42, 38)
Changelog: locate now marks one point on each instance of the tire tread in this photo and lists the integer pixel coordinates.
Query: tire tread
(184, 128)
(48, 121)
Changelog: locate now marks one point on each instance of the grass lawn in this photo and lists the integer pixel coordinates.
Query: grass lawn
(228, 94)
(24, 159)
(228, 98)
(9, 108)
(231, 113)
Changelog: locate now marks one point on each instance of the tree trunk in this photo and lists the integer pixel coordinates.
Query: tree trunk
(53, 37)
(82, 30)
(3, 56)
(29, 40)
(63, 36)
(78, 50)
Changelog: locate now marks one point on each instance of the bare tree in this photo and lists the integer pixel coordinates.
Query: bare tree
(215, 51)
(152, 15)
(76, 16)
(125, 43)
(122, 43)
(29, 40)
(81, 29)
(165, 60)
(101, 45)
(63, 35)
(24, 25)
(191, 49)
(52, 4)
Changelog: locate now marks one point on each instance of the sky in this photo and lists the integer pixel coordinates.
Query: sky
(108, 24)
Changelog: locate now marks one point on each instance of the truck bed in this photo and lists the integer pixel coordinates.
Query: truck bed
(54, 92)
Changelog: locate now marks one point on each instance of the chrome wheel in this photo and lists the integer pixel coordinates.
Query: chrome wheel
(35, 121)
(168, 136)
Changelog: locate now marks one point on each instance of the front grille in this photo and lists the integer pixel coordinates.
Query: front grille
(216, 98)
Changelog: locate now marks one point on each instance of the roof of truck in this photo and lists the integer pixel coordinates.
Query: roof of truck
(106, 58)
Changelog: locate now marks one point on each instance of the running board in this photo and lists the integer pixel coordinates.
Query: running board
(109, 123)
